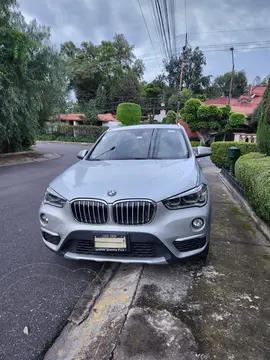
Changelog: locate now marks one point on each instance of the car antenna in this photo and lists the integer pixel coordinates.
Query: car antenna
(105, 152)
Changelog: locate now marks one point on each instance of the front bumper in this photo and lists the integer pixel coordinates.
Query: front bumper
(168, 237)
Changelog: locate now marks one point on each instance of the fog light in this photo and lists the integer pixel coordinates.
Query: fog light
(44, 218)
(198, 224)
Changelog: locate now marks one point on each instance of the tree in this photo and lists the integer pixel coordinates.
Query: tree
(27, 70)
(222, 84)
(91, 112)
(263, 131)
(265, 81)
(112, 64)
(101, 98)
(193, 78)
(209, 120)
(257, 81)
(255, 118)
(50, 67)
(129, 113)
(126, 87)
(170, 118)
(179, 99)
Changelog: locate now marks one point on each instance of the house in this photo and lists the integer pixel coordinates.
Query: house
(71, 119)
(159, 117)
(245, 104)
(77, 119)
(108, 120)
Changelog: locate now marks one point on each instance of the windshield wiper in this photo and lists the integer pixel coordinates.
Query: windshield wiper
(104, 153)
(133, 158)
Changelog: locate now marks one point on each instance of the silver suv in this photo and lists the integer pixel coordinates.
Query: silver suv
(138, 195)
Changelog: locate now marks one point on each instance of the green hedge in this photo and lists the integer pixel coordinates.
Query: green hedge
(253, 172)
(65, 138)
(220, 149)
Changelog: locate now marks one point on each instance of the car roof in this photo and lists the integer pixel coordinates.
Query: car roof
(147, 126)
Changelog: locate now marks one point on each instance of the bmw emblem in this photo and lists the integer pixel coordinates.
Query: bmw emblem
(112, 193)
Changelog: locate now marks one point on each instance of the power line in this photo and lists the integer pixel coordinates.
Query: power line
(148, 32)
(213, 46)
(164, 18)
(223, 31)
(241, 48)
(162, 26)
(168, 26)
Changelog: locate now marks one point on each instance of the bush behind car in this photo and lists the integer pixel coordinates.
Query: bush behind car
(220, 151)
(253, 173)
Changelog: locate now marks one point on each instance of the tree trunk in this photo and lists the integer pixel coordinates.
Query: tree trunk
(204, 138)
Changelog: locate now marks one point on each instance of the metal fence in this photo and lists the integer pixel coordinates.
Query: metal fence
(232, 180)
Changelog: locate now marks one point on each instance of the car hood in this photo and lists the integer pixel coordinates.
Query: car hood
(150, 179)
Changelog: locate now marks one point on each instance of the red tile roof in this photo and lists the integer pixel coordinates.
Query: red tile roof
(78, 117)
(70, 117)
(106, 117)
(237, 105)
(248, 111)
(257, 90)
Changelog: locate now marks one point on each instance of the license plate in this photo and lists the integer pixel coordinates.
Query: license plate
(110, 243)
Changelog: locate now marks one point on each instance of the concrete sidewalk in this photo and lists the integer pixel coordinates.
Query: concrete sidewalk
(219, 310)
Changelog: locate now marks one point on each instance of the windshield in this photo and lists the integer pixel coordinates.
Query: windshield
(132, 144)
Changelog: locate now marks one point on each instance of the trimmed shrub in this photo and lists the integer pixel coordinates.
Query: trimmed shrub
(195, 143)
(236, 119)
(253, 172)
(129, 113)
(263, 131)
(220, 150)
(170, 118)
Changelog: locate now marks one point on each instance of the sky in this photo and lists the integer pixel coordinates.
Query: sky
(210, 20)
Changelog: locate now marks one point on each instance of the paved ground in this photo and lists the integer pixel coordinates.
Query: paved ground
(37, 288)
(218, 310)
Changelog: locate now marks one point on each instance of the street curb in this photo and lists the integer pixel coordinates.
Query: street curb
(43, 157)
(261, 225)
(62, 142)
(84, 306)
(2, 156)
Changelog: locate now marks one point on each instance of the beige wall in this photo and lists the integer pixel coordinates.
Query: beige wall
(245, 137)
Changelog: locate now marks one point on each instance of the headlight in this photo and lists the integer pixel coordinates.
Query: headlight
(195, 197)
(53, 199)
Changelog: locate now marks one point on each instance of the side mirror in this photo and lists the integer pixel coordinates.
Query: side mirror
(82, 154)
(203, 151)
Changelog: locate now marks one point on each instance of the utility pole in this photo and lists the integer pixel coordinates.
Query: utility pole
(231, 84)
(182, 69)
(181, 73)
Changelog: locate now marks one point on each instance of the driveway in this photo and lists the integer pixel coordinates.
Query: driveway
(38, 289)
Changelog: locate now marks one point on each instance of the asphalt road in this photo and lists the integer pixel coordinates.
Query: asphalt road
(38, 289)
